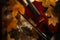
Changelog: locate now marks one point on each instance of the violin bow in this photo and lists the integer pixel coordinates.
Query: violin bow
(36, 29)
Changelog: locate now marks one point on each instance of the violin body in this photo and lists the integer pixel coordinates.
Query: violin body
(37, 20)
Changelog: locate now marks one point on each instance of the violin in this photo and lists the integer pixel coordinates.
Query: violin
(35, 11)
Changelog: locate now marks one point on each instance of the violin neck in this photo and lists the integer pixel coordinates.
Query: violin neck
(36, 13)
